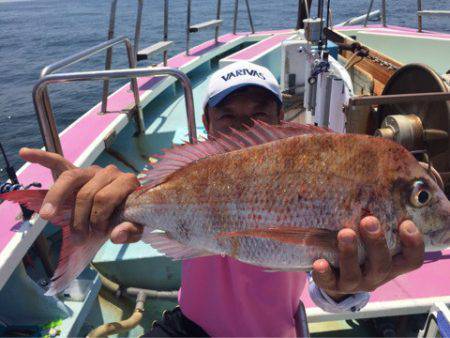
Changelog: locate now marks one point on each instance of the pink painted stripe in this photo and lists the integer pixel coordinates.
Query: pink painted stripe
(83, 132)
(431, 280)
(259, 47)
(390, 30)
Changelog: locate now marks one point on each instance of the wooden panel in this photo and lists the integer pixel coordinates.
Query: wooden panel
(380, 73)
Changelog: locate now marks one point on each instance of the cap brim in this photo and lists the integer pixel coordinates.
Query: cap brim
(216, 99)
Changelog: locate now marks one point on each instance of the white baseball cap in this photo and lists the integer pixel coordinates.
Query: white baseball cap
(237, 75)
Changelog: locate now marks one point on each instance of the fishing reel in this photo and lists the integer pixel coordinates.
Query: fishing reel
(423, 127)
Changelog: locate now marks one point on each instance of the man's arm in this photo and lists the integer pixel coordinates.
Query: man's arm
(379, 267)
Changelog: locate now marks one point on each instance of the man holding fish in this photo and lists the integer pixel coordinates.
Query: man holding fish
(221, 296)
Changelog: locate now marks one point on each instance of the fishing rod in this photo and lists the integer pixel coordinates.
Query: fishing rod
(9, 169)
(40, 245)
(15, 185)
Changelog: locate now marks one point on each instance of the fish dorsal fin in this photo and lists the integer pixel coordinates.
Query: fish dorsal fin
(182, 155)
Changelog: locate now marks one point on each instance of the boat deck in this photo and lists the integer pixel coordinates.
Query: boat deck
(165, 121)
(405, 45)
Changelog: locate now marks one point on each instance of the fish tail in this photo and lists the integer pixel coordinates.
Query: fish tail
(74, 257)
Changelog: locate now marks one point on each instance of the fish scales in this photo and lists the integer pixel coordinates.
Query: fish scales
(274, 196)
(319, 181)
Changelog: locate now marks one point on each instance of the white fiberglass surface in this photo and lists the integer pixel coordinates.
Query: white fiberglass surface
(432, 51)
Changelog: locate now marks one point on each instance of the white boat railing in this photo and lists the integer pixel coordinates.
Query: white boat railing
(46, 117)
(420, 13)
(370, 13)
(49, 128)
(144, 54)
(249, 14)
(214, 23)
(161, 46)
(203, 25)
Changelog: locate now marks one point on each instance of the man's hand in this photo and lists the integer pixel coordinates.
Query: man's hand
(379, 267)
(99, 191)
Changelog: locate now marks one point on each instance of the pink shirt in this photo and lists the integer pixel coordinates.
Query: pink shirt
(229, 298)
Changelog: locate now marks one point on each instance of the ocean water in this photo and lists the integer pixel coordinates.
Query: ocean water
(35, 33)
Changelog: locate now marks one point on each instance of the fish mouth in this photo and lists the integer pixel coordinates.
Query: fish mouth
(442, 236)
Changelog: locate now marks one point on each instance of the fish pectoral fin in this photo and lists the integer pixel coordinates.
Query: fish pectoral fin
(319, 237)
(161, 241)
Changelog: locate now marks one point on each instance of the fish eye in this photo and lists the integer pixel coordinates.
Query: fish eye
(420, 196)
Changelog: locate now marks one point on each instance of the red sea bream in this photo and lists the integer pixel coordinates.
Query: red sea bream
(273, 196)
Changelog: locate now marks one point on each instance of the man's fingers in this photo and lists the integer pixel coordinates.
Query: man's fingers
(350, 272)
(47, 159)
(413, 249)
(126, 232)
(85, 199)
(109, 198)
(65, 187)
(323, 275)
(378, 261)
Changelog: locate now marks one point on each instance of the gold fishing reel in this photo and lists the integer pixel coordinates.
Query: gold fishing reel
(422, 126)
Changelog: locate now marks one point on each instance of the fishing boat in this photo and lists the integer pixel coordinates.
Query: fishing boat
(354, 77)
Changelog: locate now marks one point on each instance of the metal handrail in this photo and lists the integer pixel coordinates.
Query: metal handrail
(81, 56)
(166, 29)
(420, 13)
(108, 59)
(218, 10)
(47, 120)
(236, 7)
(89, 52)
(137, 31)
(137, 27)
(399, 98)
(216, 35)
(383, 13)
(188, 23)
(368, 13)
